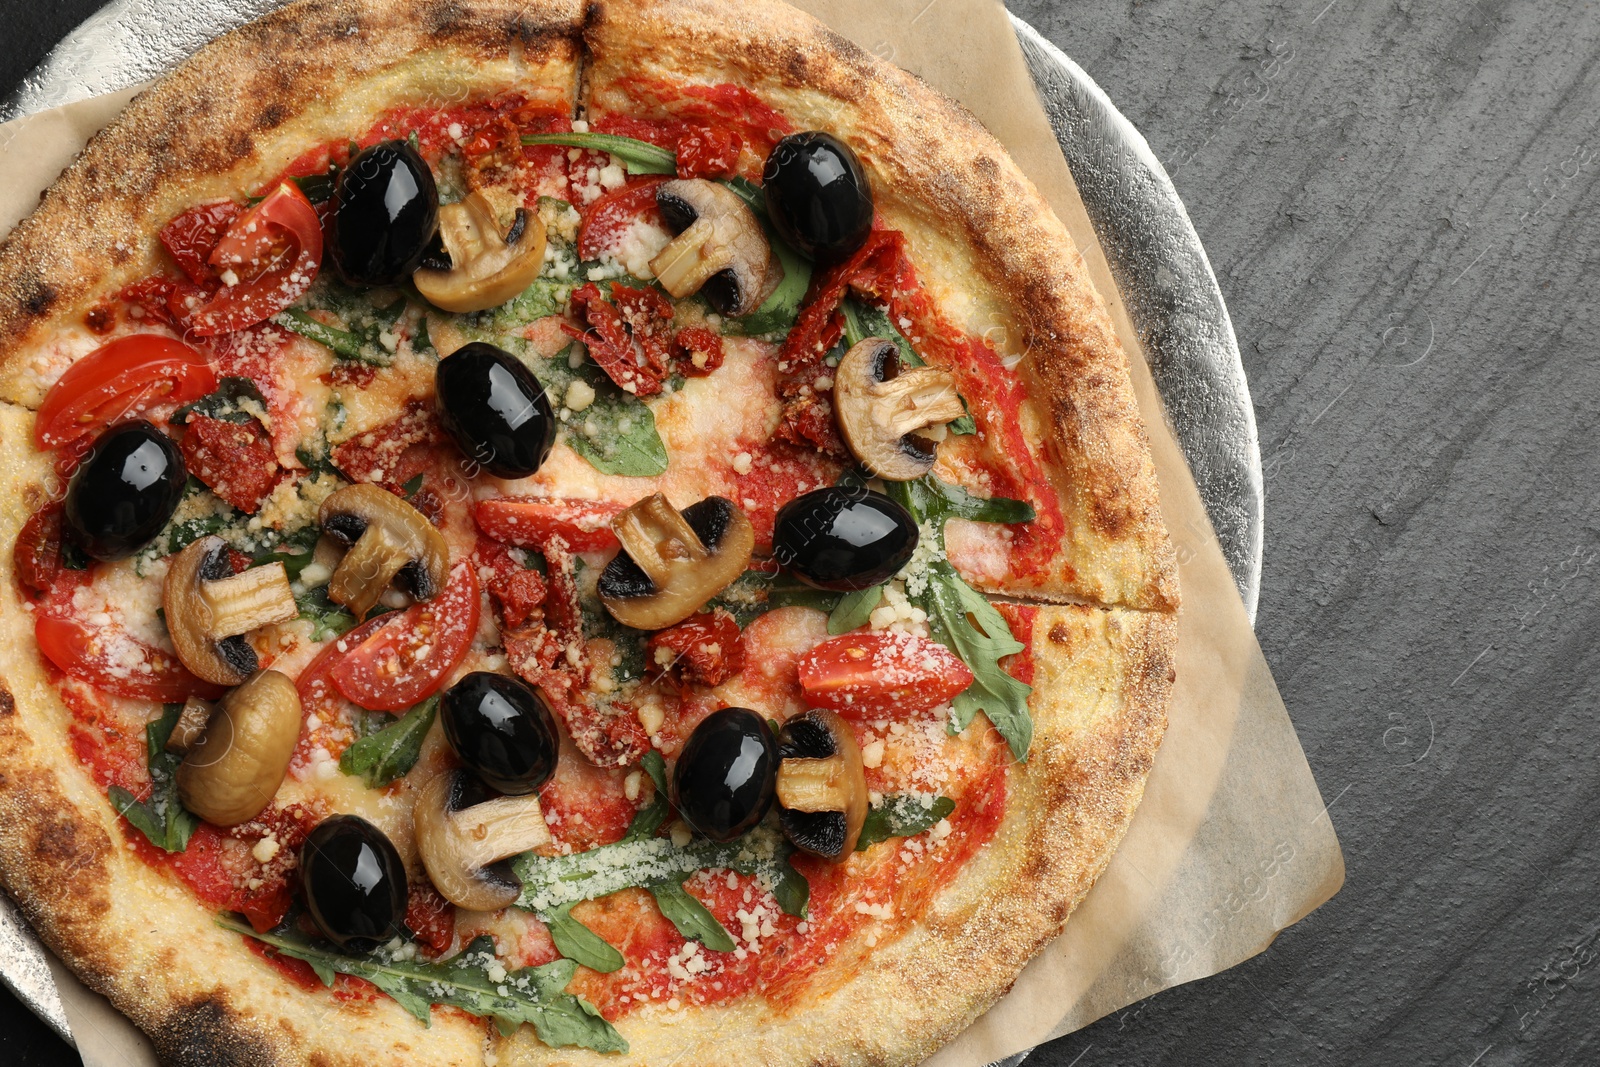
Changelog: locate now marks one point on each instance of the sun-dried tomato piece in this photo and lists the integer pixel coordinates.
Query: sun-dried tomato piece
(235, 459)
(626, 362)
(36, 557)
(698, 350)
(194, 235)
(520, 596)
(704, 649)
(708, 152)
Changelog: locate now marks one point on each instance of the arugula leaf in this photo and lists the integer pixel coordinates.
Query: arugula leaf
(548, 882)
(863, 320)
(755, 593)
(619, 438)
(223, 404)
(327, 618)
(649, 818)
(411, 487)
(933, 500)
(295, 551)
(854, 610)
(535, 995)
(383, 757)
(162, 818)
(580, 944)
(692, 918)
(966, 425)
(963, 620)
(640, 157)
(901, 816)
(344, 344)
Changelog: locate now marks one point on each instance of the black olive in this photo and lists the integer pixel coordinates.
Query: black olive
(125, 490)
(843, 539)
(495, 409)
(727, 774)
(817, 195)
(385, 215)
(354, 883)
(503, 730)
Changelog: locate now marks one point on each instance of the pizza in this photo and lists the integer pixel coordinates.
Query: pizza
(555, 533)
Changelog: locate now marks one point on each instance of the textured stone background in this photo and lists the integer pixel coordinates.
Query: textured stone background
(1400, 201)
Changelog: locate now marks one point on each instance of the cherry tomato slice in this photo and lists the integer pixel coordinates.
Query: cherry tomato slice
(267, 260)
(608, 218)
(318, 695)
(112, 661)
(881, 672)
(413, 656)
(585, 525)
(118, 380)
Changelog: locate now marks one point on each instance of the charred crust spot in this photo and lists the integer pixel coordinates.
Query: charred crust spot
(272, 116)
(444, 19)
(208, 1033)
(1060, 634)
(38, 296)
(8, 703)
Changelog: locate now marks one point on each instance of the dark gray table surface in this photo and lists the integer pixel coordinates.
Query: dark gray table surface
(1400, 202)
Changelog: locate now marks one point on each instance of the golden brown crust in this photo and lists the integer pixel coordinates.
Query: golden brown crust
(981, 236)
(234, 116)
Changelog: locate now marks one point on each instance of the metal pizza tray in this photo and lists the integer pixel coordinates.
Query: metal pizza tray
(1161, 271)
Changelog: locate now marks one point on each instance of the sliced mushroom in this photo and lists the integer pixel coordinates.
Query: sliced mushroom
(463, 844)
(191, 725)
(720, 249)
(822, 788)
(209, 609)
(673, 562)
(881, 405)
(233, 771)
(486, 269)
(389, 540)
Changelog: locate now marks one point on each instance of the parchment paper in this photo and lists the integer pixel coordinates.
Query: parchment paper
(1232, 842)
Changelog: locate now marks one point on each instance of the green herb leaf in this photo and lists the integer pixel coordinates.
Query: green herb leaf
(755, 593)
(901, 816)
(854, 610)
(344, 344)
(535, 995)
(548, 882)
(962, 620)
(692, 918)
(618, 437)
(649, 818)
(411, 487)
(640, 157)
(162, 818)
(388, 755)
(863, 320)
(932, 500)
(224, 403)
(327, 618)
(582, 945)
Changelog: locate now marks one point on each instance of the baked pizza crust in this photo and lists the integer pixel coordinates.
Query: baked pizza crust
(233, 117)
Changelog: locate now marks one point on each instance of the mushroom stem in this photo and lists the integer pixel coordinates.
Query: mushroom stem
(814, 784)
(248, 600)
(191, 725)
(915, 399)
(367, 570)
(658, 538)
